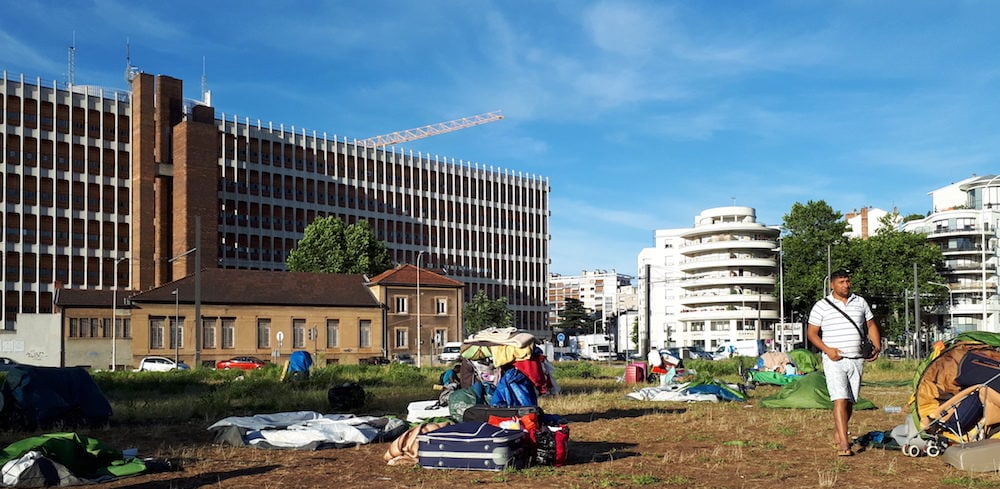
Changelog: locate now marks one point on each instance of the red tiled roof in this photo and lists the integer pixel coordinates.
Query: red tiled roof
(407, 275)
(262, 287)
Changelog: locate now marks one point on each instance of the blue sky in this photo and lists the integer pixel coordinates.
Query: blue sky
(641, 114)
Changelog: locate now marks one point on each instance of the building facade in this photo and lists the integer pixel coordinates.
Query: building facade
(597, 290)
(109, 189)
(711, 283)
(417, 301)
(963, 224)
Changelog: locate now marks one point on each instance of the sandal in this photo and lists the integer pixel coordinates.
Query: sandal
(845, 453)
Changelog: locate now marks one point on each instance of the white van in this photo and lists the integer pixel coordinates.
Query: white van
(451, 352)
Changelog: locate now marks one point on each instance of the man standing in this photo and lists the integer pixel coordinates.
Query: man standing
(841, 317)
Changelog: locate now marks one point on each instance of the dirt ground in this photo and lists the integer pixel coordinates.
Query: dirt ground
(703, 445)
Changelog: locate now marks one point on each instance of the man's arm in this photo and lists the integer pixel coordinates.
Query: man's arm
(812, 332)
(875, 336)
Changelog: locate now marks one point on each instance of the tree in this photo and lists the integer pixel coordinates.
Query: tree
(882, 272)
(575, 318)
(881, 266)
(482, 313)
(811, 231)
(330, 246)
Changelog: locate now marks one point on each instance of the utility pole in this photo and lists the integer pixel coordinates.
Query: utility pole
(916, 307)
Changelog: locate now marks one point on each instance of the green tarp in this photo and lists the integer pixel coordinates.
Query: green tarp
(809, 392)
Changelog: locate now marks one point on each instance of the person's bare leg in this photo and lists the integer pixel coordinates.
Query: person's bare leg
(841, 416)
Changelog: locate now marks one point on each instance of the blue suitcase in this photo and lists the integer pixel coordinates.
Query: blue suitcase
(473, 446)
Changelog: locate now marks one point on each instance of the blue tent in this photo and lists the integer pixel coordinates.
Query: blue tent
(299, 364)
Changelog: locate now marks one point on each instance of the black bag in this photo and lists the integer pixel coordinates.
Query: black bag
(346, 397)
(867, 348)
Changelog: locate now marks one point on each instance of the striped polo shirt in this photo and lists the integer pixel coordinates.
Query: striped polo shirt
(837, 331)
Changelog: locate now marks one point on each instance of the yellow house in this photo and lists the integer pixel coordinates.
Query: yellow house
(266, 314)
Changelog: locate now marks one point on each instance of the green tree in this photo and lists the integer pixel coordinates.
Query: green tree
(881, 266)
(882, 272)
(574, 318)
(330, 246)
(482, 313)
(811, 231)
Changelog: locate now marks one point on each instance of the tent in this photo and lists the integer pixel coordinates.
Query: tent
(809, 392)
(42, 396)
(298, 365)
(965, 362)
(66, 459)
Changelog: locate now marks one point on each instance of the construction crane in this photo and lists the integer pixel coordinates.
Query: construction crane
(431, 130)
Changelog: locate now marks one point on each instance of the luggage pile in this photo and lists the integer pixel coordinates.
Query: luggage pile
(498, 425)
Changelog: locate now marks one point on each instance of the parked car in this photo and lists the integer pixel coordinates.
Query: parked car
(374, 361)
(451, 352)
(403, 358)
(242, 363)
(6, 364)
(566, 357)
(893, 353)
(160, 364)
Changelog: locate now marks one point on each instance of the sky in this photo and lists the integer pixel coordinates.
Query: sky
(641, 114)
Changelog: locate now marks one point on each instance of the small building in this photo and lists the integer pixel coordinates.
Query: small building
(423, 310)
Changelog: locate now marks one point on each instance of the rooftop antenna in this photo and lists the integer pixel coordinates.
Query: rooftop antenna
(130, 71)
(71, 69)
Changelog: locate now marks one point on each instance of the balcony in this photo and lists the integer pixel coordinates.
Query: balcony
(731, 262)
(712, 244)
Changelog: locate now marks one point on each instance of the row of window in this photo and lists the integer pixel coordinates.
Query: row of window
(220, 332)
(99, 328)
(403, 305)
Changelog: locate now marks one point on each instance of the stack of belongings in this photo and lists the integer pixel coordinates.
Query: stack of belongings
(502, 374)
(505, 368)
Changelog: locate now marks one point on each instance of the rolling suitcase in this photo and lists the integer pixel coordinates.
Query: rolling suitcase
(481, 412)
(473, 446)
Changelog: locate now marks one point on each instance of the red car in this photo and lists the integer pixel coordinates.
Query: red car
(243, 363)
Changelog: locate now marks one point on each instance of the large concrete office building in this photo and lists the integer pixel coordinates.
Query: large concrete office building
(109, 189)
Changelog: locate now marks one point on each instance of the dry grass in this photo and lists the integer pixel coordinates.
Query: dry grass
(616, 442)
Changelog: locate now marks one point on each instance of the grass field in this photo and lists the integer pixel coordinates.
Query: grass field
(616, 441)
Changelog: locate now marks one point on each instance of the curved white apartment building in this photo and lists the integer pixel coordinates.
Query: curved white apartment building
(712, 283)
(964, 225)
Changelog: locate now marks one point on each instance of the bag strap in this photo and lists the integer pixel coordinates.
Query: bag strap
(863, 333)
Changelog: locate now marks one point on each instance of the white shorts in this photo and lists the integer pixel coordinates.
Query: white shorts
(843, 377)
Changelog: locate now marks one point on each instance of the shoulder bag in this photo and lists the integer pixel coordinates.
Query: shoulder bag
(867, 347)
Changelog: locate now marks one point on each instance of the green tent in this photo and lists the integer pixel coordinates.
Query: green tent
(67, 459)
(805, 361)
(809, 392)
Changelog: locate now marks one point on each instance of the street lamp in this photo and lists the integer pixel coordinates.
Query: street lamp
(176, 328)
(419, 256)
(197, 291)
(114, 315)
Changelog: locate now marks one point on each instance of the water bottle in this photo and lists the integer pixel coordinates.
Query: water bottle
(893, 409)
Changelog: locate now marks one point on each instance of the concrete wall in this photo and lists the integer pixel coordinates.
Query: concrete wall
(36, 341)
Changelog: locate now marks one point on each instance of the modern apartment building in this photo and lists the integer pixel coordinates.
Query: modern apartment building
(598, 290)
(711, 283)
(134, 188)
(963, 224)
